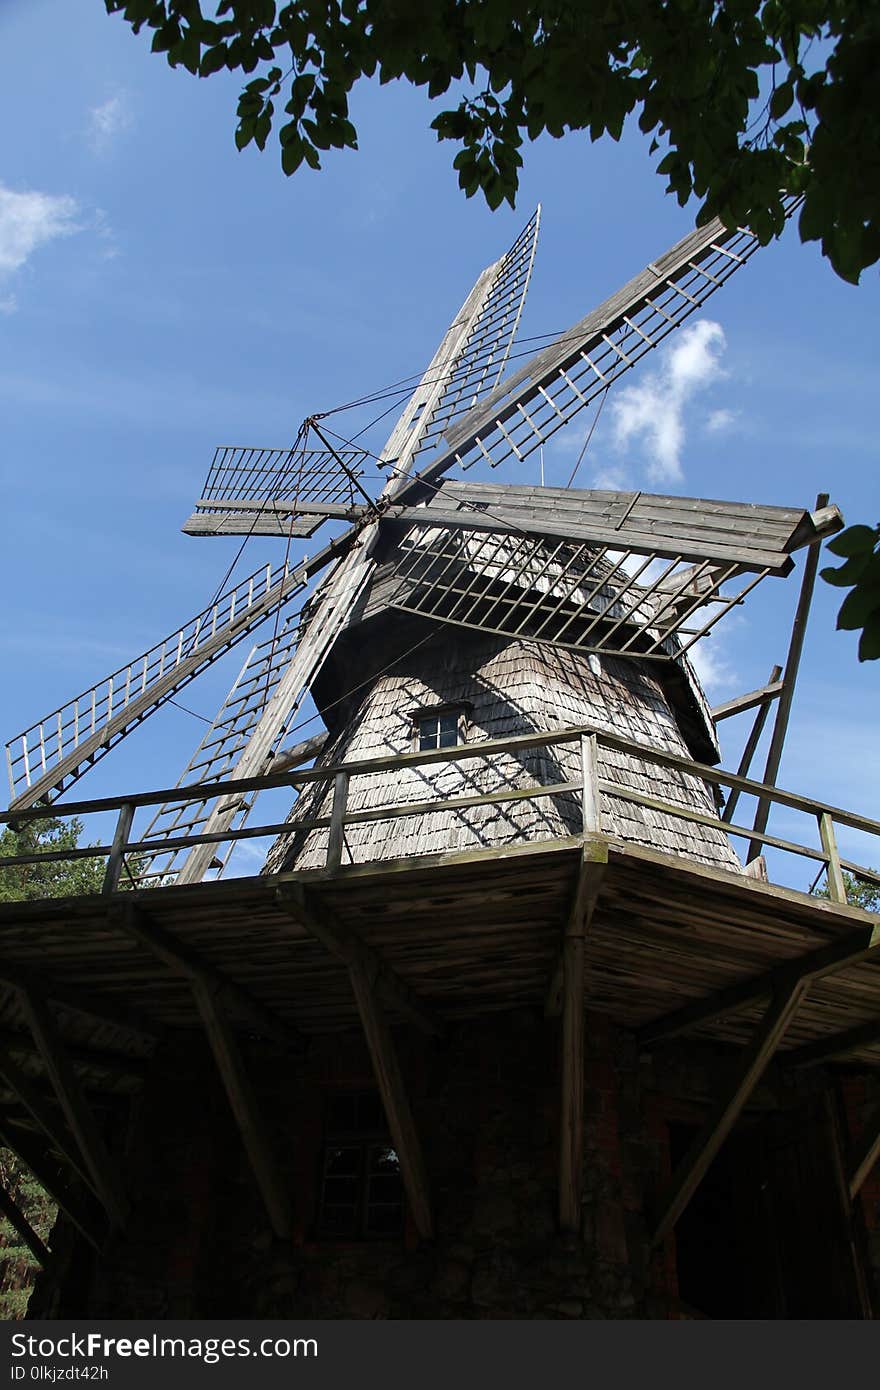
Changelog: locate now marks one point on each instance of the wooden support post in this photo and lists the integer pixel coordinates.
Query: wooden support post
(83, 1125)
(117, 849)
(751, 747)
(592, 811)
(594, 860)
(19, 1221)
(245, 1107)
(570, 987)
(789, 679)
(394, 1098)
(33, 1156)
(726, 1112)
(22, 1086)
(571, 1115)
(836, 884)
(867, 1153)
(337, 821)
(323, 924)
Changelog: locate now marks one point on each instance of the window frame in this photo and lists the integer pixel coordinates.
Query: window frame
(365, 1140)
(460, 709)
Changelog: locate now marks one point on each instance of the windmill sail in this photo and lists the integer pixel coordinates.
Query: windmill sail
(45, 758)
(275, 492)
(526, 409)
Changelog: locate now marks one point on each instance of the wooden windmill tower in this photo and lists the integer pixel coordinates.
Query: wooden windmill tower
(516, 745)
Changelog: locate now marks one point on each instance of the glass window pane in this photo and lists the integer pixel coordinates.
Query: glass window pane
(449, 724)
(384, 1189)
(340, 1161)
(341, 1191)
(427, 734)
(385, 1220)
(383, 1159)
(339, 1221)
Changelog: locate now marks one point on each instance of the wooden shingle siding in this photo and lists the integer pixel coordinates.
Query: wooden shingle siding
(510, 687)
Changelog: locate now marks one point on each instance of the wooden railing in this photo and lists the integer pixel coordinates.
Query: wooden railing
(588, 786)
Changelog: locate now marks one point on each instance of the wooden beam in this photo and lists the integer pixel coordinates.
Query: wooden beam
(34, 1157)
(323, 924)
(750, 748)
(867, 1153)
(389, 1080)
(245, 1108)
(78, 1000)
(726, 1112)
(19, 1221)
(116, 1063)
(825, 960)
(789, 679)
(131, 919)
(43, 1115)
(752, 700)
(83, 1125)
(833, 1045)
(594, 861)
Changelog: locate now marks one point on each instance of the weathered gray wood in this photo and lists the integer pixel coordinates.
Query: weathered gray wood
(727, 1110)
(594, 862)
(245, 1107)
(836, 884)
(320, 922)
(789, 680)
(751, 746)
(866, 1153)
(487, 748)
(755, 698)
(389, 1081)
(19, 1221)
(814, 965)
(571, 1110)
(133, 921)
(83, 1126)
(72, 997)
(590, 794)
(814, 1054)
(337, 821)
(117, 849)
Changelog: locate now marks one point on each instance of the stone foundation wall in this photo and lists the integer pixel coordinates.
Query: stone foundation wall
(486, 1106)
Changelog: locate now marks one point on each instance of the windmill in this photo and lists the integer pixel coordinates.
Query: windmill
(617, 576)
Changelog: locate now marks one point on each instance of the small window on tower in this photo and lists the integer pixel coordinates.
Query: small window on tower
(361, 1187)
(443, 727)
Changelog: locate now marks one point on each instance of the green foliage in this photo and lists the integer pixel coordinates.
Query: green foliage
(53, 879)
(858, 893)
(18, 1268)
(20, 883)
(747, 100)
(860, 573)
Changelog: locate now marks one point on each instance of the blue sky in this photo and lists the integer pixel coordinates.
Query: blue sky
(161, 293)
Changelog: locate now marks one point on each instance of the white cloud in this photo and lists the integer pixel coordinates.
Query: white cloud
(651, 411)
(714, 671)
(610, 478)
(107, 122)
(720, 420)
(29, 220)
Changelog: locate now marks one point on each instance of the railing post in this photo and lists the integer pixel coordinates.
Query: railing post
(117, 849)
(836, 884)
(592, 814)
(337, 820)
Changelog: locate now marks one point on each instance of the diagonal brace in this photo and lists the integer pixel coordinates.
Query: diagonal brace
(754, 1061)
(867, 1153)
(245, 1107)
(323, 924)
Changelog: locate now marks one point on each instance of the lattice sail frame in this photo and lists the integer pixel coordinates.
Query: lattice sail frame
(579, 595)
(290, 492)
